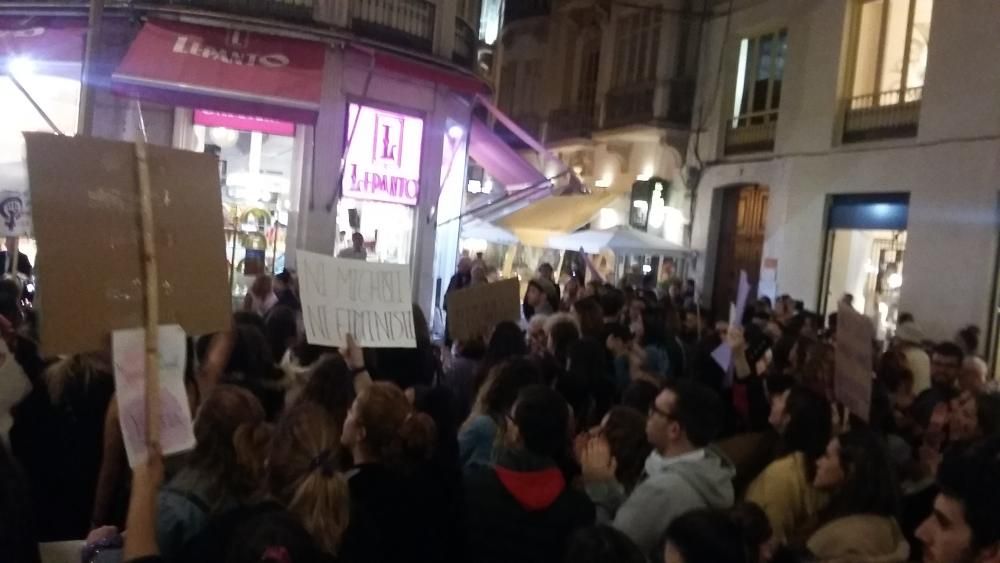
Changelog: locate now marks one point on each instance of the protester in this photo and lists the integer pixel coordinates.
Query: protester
(260, 299)
(522, 509)
(859, 523)
(785, 489)
(681, 474)
(946, 366)
(388, 441)
(909, 340)
(705, 535)
(478, 435)
(542, 298)
(538, 339)
(463, 370)
(330, 386)
(602, 544)
(18, 537)
(286, 289)
(222, 473)
(461, 279)
(965, 524)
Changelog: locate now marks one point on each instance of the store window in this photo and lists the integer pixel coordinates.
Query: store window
(381, 182)
(866, 247)
(256, 169)
(759, 77)
(891, 51)
(57, 95)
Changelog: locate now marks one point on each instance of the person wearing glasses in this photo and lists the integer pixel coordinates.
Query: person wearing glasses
(681, 474)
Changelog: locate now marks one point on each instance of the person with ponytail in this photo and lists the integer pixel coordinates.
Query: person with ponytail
(303, 510)
(224, 470)
(389, 443)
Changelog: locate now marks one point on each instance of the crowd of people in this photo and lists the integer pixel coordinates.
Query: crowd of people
(600, 429)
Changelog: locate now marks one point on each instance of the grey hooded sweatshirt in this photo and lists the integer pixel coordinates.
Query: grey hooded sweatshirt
(669, 488)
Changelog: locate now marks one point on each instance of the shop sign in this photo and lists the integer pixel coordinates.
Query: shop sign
(383, 155)
(210, 118)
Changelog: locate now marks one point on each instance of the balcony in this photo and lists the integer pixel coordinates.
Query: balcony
(889, 115)
(407, 23)
(298, 11)
(630, 104)
(569, 123)
(751, 133)
(637, 103)
(466, 41)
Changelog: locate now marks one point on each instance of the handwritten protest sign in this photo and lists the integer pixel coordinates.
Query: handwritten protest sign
(373, 302)
(853, 368)
(86, 220)
(15, 213)
(723, 354)
(474, 310)
(176, 428)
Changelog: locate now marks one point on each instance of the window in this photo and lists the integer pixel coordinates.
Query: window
(758, 79)
(637, 45)
(590, 60)
(891, 52)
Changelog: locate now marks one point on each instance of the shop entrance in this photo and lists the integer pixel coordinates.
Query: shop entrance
(742, 226)
(865, 251)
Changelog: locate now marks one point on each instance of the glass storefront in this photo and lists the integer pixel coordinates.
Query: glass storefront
(381, 183)
(59, 98)
(257, 168)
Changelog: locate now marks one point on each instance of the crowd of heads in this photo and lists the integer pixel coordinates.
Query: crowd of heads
(601, 429)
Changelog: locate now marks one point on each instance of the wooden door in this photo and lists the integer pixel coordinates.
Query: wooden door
(741, 244)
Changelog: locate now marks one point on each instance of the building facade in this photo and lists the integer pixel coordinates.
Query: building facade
(850, 147)
(328, 116)
(607, 88)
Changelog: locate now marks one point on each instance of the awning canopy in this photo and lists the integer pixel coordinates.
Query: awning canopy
(47, 43)
(622, 239)
(500, 161)
(227, 70)
(477, 228)
(537, 223)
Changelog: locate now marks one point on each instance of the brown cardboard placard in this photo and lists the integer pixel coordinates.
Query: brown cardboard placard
(85, 202)
(473, 311)
(852, 384)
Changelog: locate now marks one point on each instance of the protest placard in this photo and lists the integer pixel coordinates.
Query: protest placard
(372, 302)
(473, 311)
(853, 367)
(723, 354)
(15, 213)
(86, 220)
(176, 428)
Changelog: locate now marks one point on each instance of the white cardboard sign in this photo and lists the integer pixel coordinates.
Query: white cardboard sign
(372, 302)
(176, 428)
(853, 363)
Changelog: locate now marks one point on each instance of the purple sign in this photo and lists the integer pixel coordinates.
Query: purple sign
(238, 122)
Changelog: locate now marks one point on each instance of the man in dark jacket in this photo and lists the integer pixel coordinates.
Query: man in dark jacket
(522, 509)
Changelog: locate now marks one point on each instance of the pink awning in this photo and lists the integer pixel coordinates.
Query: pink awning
(454, 80)
(228, 70)
(46, 42)
(500, 161)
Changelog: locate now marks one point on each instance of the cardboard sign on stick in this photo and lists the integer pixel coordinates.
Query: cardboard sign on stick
(85, 201)
(372, 302)
(853, 367)
(176, 428)
(473, 311)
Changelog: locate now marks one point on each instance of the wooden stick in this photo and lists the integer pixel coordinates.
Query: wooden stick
(151, 284)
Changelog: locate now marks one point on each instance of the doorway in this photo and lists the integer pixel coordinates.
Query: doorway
(742, 226)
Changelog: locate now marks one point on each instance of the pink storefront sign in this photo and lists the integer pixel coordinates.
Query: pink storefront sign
(210, 118)
(383, 155)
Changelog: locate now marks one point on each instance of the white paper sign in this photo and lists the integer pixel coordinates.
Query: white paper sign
(853, 361)
(372, 302)
(176, 428)
(723, 354)
(15, 213)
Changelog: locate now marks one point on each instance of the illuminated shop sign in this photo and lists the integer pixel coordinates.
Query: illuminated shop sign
(383, 155)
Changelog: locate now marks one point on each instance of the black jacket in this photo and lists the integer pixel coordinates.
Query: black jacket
(522, 510)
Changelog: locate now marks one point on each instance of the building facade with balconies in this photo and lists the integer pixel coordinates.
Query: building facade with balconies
(328, 116)
(607, 87)
(850, 147)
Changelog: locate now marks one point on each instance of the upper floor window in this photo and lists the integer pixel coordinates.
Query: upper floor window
(637, 45)
(758, 79)
(890, 51)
